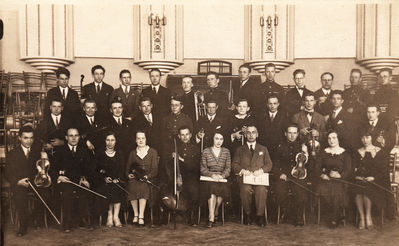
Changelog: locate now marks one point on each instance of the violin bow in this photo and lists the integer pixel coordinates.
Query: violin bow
(303, 187)
(45, 204)
(86, 189)
(348, 183)
(176, 163)
(381, 187)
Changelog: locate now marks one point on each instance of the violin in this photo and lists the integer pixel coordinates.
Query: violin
(299, 171)
(42, 178)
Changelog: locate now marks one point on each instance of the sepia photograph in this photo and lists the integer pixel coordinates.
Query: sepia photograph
(264, 122)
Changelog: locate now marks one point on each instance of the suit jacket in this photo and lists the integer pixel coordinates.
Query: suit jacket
(384, 127)
(248, 91)
(293, 101)
(243, 159)
(220, 96)
(71, 102)
(218, 123)
(265, 90)
(74, 166)
(19, 167)
(47, 130)
(102, 98)
(153, 131)
(189, 105)
(323, 108)
(130, 102)
(125, 139)
(345, 125)
(271, 133)
(94, 133)
(160, 100)
(318, 122)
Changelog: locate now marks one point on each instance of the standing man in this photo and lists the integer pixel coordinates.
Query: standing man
(309, 121)
(248, 86)
(69, 96)
(215, 93)
(270, 87)
(252, 159)
(323, 95)
(386, 96)
(130, 97)
(295, 96)
(21, 168)
(99, 91)
(355, 97)
(272, 124)
(188, 98)
(159, 95)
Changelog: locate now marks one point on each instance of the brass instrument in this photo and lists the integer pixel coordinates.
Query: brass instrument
(199, 101)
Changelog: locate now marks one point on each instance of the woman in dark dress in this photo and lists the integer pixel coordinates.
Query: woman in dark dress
(142, 159)
(215, 163)
(371, 166)
(333, 165)
(111, 166)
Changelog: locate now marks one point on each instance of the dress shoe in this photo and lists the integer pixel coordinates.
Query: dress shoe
(260, 221)
(209, 224)
(84, 224)
(247, 220)
(22, 232)
(299, 222)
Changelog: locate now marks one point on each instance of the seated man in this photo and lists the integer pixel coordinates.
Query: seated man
(74, 162)
(252, 159)
(288, 153)
(21, 169)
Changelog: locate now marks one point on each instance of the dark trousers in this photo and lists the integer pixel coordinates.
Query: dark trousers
(299, 195)
(190, 192)
(21, 198)
(260, 193)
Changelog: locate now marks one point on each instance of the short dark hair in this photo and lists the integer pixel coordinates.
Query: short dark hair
(62, 70)
(270, 65)
(57, 99)
(155, 70)
(142, 131)
(292, 125)
(356, 70)
(177, 98)
(242, 100)
(124, 71)
(183, 128)
(144, 99)
(310, 94)
(327, 73)
(298, 71)
(211, 100)
(116, 99)
(97, 67)
(212, 73)
(89, 100)
(386, 69)
(272, 95)
(331, 132)
(109, 133)
(71, 127)
(337, 92)
(372, 105)
(187, 76)
(26, 128)
(246, 66)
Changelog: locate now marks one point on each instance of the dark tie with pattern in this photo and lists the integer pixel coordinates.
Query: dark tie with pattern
(119, 121)
(63, 93)
(251, 148)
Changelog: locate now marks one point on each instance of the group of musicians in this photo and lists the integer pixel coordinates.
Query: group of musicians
(151, 148)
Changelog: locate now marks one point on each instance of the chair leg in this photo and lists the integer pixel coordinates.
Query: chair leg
(318, 210)
(304, 215)
(344, 214)
(152, 216)
(45, 218)
(223, 213)
(278, 214)
(382, 216)
(10, 207)
(267, 221)
(199, 214)
(242, 214)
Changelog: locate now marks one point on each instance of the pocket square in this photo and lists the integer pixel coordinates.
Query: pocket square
(340, 122)
(261, 153)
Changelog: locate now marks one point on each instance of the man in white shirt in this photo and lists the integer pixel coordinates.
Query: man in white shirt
(323, 95)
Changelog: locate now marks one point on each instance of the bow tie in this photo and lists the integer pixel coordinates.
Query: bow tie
(300, 89)
(309, 113)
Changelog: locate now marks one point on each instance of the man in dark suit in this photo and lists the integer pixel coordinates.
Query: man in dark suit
(382, 130)
(252, 159)
(294, 96)
(268, 88)
(323, 95)
(121, 126)
(74, 162)
(188, 98)
(215, 93)
(341, 121)
(91, 127)
(70, 98)
(247, 88)
(148, 122)
(206, 126)
(355, 97)
(51, 131)
(309, 121)
(386, 97)
(21, 168)
(130, 96)
(99, 91)
(271, 124)
(159, 95)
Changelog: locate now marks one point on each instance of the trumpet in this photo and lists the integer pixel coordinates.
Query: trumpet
(199, 101)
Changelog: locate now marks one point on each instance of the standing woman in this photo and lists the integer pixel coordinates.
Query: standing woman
(111, 165)
(371, 166)
(334, 167)
(215, 163)
(144, 160)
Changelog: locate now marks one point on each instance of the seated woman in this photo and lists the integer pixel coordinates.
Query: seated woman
(371, 170)
(141, 165)
(111, 165)
(215, 163)
(333, 167)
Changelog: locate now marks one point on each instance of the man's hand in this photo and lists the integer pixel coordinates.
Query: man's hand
(381, 140)
(369, 179)
(201, 134)
(324, 177)
(304, 131)
(335, 174)
(62, 179)
(23, 182)
(244, 172)
(56, 142)
(83, 181)
(258, 172)
(359, 178)
(283, 177)
(89, 145)
(349, 110)
(115, 181)
(236, 135)
(108, 180)
(322, 99)
(131, 176)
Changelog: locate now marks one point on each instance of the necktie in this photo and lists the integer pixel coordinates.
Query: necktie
(63, 94)
(73, 150)
(334, 114)
(98, 88)
(271, 117)
(119, 121)
(148, 119)
(251, 148)
(56, 122)
(211, 119)
(126, 92)
(91, 120)
(372, 124)
(154, 90)
(27, 153)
